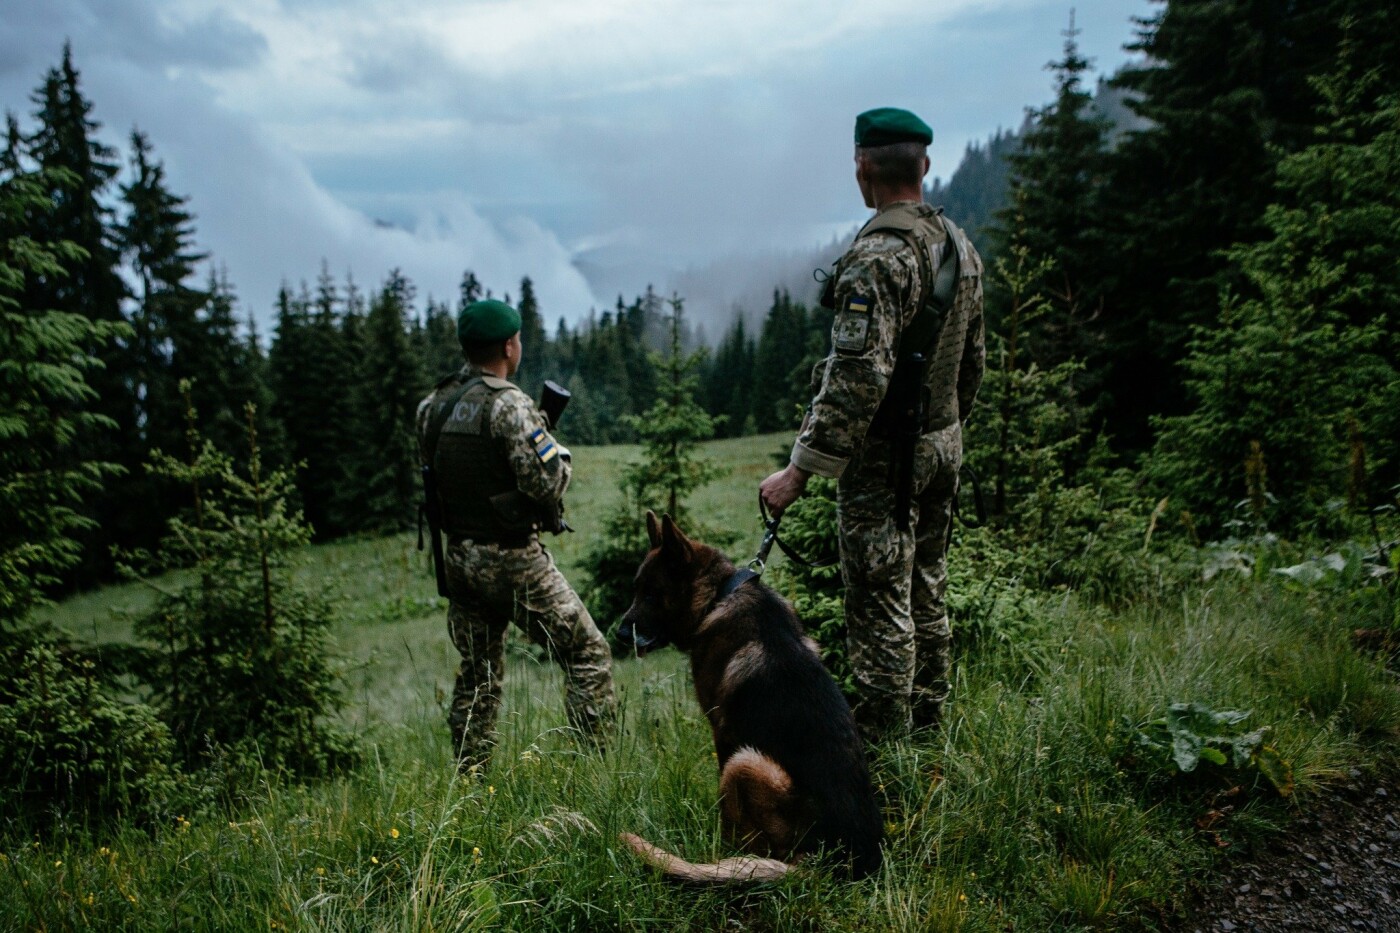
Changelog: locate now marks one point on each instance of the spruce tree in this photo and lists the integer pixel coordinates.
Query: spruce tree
(470, 289)
(78, 170)
(442, 351)
(728, 381)
(391, 383)
(603, 369)
(535, 362)
(66, 139)
(231, 372)
(977, 187)
(244, 676)
(1303, 376)
(671, 430)
(46, 405)
(1223, 86)
(782, 348)
(1057, 176)
(170, 342)
(669, 471)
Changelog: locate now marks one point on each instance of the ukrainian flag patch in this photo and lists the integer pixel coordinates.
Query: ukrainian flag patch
(544, 445)
(858, 304)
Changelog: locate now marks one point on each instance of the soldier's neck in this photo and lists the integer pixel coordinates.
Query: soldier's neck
(884, 199)
(498, 368)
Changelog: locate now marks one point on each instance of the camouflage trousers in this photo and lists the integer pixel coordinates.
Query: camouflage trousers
(492, 586)
(897, 632)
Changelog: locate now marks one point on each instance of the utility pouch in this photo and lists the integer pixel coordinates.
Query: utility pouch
(516, 511)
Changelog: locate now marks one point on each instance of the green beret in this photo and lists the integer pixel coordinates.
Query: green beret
(885, 125)
(487, 320)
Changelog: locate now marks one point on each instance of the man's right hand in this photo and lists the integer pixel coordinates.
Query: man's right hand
(782, 488)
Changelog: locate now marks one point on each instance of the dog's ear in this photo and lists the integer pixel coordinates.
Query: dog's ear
(653, 529)
(673, 541)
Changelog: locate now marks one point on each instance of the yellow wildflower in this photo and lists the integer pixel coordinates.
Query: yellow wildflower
(57, 863)
(394, 832)
(374, 860)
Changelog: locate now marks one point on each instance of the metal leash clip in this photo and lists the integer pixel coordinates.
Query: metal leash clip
(759, 563)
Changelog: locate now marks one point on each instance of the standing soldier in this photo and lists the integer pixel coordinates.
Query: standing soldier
(499, 476)
(905, 364)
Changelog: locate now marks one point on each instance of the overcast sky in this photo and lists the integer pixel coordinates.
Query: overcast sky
(594, 145)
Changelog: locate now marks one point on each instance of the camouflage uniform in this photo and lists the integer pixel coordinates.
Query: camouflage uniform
(492, 584)
(897, 623)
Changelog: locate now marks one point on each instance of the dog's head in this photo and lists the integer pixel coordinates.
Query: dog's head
(661, 605)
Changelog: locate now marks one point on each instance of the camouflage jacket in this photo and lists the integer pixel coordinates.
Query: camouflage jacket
(878, 292)
(542, 466)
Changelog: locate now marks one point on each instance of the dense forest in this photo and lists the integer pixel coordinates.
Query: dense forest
(1217, 265)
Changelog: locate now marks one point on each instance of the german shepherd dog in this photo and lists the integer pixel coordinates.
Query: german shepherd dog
(793, 778)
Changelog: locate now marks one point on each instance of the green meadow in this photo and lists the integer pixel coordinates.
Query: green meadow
(1029, 811)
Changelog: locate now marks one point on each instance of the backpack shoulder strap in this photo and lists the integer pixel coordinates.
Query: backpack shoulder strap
(928, 320)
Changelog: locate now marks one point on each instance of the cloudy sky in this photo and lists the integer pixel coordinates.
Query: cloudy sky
(594, 145)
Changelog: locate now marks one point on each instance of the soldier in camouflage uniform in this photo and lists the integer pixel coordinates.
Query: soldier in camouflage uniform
(898, 634)
(498, 471)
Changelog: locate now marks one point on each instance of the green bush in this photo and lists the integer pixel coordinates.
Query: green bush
(68, 750)
(1190, 738)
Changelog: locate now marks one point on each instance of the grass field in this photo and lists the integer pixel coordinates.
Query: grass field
(1020, 815)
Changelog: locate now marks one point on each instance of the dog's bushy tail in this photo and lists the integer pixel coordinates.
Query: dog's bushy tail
(742, 870)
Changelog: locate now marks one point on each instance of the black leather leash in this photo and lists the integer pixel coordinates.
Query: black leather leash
(977, 502)
(770, 538)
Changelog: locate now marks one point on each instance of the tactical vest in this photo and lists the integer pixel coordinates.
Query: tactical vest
(939, 327)
(472, 466)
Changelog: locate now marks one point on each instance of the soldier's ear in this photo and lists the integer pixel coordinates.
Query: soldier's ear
(653, 529)
(673, 542)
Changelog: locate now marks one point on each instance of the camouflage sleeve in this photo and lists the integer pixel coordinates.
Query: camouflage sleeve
(874, 303)
(420, 422)
(541, 466)
(974, 359)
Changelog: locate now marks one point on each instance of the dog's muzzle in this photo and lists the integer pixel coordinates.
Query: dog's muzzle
(629, 636)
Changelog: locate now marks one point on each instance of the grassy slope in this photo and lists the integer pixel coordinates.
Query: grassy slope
(1017, 813)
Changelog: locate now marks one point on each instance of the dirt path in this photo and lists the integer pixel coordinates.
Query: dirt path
(1338, 868)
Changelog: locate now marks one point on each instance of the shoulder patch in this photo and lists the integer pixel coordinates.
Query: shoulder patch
(851, 330)
(544, 445)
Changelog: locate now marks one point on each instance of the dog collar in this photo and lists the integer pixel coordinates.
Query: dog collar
(739, 578)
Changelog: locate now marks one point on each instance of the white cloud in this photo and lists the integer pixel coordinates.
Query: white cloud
(649, 134)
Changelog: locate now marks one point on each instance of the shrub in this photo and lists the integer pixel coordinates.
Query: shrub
(68, 750)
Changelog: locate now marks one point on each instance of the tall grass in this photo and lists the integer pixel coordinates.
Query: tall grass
(1019, 813)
